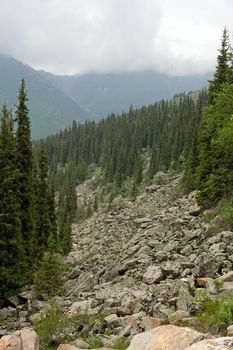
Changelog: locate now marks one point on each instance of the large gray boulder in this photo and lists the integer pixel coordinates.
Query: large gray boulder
(153, 274)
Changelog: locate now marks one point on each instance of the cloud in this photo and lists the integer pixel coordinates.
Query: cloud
(75, 36)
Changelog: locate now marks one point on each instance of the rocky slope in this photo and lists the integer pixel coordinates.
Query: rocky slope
(145, 257)
(139, 265)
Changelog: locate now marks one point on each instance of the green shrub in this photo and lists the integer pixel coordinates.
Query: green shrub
(218, 285)
(49, 279)
(95, 343)
(121, 344)
(160, 178)
(217, 315)
(222, 215)
(51, 325)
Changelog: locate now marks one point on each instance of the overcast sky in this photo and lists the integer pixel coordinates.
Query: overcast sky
(77, 36)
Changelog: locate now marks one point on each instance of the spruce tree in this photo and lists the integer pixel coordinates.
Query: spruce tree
(12, 257)
(24, 158)
(49, 278)
(65, 229)
(43, 225)
(223, 72)
(211, 175)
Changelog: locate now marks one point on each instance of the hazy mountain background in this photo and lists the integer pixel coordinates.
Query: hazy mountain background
(101, 94)
(55, 101)
(50, 109)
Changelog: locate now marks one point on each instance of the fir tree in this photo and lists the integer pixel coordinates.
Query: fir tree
(25, 164)
(65, 229)
(49, 279)
(212, 175)
(43, 228)
(12, 257)
(223, 72)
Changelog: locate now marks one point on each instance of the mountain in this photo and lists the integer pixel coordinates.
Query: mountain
(50, 109)
(102, 94)
(55, 101)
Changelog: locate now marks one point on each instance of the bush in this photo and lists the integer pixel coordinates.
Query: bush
(217, 315)
(49, 279)
(222, 215)
(160, 178)
(51, 325)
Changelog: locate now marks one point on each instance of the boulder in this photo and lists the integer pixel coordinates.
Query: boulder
(83, 307)
(80, 343)
(213, 344)
(195, 210)
(230, 331)
(209, 265)
(139, 221)
(74, 273)
(165, 337)
(149, 323)
(227, 287)
(26, 339)
(67, 347)
(170, 269)
(152, 189)
(29, 339)
(208, 283)
(227, 277)
(112, 321)
(185, 300)
(153, 274)
(11, 342)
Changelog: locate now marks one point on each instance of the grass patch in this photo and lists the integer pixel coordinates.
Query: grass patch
(95, 343)
(216, 315)
(54, 327)
(222, 215)
(121, 344)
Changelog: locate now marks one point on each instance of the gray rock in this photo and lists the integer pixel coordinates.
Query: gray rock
(185, 299)
(170, 269)
(80, 343)
(74, 273)
(113, 321)
(227, 277)
(153, 274)
(209, 266)
(141, 220)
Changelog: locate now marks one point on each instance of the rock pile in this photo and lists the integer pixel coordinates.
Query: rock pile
(172, 338)
(139, 264)
(144, 258)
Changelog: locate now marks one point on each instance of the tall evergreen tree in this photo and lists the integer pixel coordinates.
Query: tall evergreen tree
(12, 258)
(212, 175)
(223, 72)
(25, 165)
(43, 227)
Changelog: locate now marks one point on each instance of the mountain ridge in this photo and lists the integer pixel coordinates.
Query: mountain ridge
(55, 101)
(50, 109)
(103, 94)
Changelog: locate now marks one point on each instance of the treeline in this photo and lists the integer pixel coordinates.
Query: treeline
(116, 144)
(28, 225)
(210, 165)
(190, 133)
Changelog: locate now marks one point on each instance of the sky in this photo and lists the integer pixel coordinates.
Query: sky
(179, 37)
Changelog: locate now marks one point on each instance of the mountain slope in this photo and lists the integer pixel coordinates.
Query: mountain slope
(55, 101)
(50, 109)
(102, 94)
